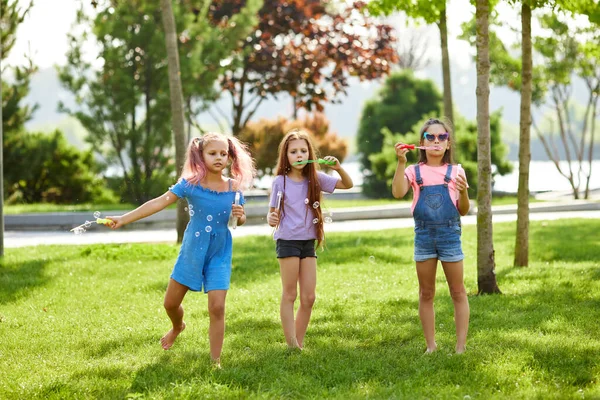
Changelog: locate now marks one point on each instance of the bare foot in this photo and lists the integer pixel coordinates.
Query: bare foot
(169, 338)
(460, 350)
(216, 363)
(430, 350)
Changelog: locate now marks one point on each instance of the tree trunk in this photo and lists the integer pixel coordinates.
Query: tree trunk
(448, 109)
(177, 116)
(522, 237)
(486, 274)
(590, 150)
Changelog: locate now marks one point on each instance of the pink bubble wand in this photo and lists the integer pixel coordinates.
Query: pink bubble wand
(413, 147)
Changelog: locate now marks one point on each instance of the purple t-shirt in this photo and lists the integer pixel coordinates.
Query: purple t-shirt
(297, 220)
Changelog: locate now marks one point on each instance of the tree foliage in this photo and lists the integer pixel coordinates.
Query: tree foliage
(263, 138)
(44, 168)
(124, 103)
(306, 49)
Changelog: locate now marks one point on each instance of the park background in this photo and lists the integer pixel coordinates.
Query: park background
(82, 321)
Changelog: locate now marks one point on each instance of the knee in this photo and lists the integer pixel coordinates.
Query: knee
(426, 294)
(289, 295)
(307, 300)
(217, 310)
(171, 305)
(458, 294)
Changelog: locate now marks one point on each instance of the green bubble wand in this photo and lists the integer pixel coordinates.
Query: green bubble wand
(319, 161)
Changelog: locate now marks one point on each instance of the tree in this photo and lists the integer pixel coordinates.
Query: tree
(486, 264)
(306, 50)
(176, 97)
(12, 114)
(522, 234)
(401, 103)
(432, 12)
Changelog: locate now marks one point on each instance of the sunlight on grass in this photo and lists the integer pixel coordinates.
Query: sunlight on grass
(84, 322)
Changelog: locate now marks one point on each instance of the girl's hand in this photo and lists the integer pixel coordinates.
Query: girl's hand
(273, 218)
(337, 164)
(117, 222)
(400, 152)
(461, 184)
(237, 211)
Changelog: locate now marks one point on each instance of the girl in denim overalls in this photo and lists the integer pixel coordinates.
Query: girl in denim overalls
(440, 198)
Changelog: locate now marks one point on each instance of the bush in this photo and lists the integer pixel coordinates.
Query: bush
(44, 168)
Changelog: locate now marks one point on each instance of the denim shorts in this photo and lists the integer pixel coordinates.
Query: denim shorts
(438, 240)
(295, 248)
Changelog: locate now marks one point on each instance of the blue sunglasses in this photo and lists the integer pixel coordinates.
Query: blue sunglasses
(442, 137)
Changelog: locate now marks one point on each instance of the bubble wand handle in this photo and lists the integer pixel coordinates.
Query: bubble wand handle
(233, 220)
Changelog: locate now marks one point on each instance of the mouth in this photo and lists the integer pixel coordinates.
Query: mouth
(218, 164)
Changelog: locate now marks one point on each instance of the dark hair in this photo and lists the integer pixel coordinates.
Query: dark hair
(434, 121)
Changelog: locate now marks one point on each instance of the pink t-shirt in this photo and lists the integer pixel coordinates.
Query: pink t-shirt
(433, 176)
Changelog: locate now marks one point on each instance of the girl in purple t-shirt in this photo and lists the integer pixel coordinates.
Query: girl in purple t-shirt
(295, 211)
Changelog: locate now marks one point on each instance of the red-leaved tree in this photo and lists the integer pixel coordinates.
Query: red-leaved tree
(304, 49)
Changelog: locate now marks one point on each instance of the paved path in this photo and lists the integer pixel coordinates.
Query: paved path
(28, 238)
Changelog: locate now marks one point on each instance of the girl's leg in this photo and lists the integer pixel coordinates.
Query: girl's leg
(173, 298)
(289, 268)
(454, 276)
(308, 283)
(426, 273)
(216, 328)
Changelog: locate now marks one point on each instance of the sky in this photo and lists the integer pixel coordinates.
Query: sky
(44, 32)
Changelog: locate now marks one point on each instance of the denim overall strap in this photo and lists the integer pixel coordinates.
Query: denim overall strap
(448, 176)
(418, 177)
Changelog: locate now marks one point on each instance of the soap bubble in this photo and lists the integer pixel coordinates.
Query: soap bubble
(87, 224)
(316, 204)
(168, 197)
(191, 213)
(191, 206)
(316, 221)
(96, 214)
(306, 201)
(328, 220)
(209, 218)
(372, 259)
(185, 208)
(208, 228)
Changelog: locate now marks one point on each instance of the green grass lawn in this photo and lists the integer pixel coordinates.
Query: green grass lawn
(82, 322)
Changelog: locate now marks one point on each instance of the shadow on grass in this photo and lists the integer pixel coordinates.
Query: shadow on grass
(256, 261)
(17, 279)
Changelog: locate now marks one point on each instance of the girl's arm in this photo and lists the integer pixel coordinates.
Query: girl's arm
(273, 217)
(400, 183)
(463, 199)
(148, 208)
(346, 181)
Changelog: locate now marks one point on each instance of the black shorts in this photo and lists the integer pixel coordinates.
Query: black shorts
(295, 248)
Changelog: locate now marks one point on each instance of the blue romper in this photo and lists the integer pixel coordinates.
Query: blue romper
(204, 259)
(437, 222)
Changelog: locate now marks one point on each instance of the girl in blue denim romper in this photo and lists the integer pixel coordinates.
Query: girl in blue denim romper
(436, 211)
(204, 260)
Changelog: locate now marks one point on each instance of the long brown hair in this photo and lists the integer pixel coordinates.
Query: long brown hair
(447, 158)
(309, 171)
